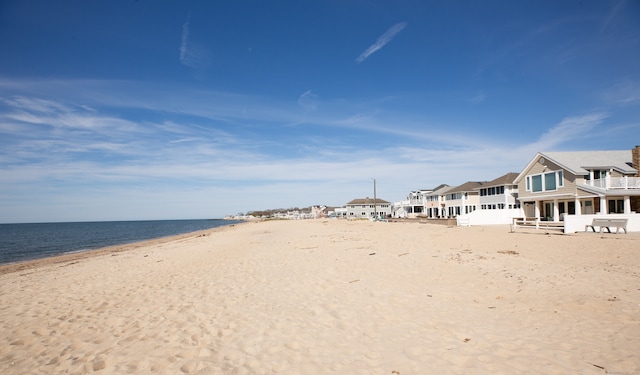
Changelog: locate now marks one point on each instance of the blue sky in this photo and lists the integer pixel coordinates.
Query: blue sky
(133, 110)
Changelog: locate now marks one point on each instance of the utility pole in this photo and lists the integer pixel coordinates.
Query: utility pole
(375, 205)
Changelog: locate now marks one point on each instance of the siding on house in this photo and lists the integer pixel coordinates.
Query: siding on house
(568, 181)
(500, 193)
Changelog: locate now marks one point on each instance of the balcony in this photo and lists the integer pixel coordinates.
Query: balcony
(615, 183)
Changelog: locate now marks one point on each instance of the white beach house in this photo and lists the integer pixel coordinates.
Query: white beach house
(498, 202)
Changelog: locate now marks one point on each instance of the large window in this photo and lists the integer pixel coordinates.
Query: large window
(536, 183)
(549, 181)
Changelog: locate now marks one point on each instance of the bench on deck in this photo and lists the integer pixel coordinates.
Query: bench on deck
(532, 222)
(607, 224)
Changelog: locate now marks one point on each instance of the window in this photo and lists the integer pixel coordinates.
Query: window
(616, 206)
(598, 174)
(560, 179)
(549, 181)
(536, 183)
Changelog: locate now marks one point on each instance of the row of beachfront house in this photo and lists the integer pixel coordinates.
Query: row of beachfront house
(569, 187)
(447, 201)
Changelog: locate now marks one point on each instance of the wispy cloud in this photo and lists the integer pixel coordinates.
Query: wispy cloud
(567, 131)
(56, 115)
(192, 54)
(185, 40)
(611, 16)
(624, 94)
(382, 41)
(308, 101)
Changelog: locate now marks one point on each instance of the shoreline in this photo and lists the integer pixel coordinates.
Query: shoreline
(83, 254)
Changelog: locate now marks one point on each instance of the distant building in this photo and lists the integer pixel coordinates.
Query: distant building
(435, 202)
(462, 199)
(498, 200)
(367, 208)
(340, 212)
(412, 206)
(500, 194)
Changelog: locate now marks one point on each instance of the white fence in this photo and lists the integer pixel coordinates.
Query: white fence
(576, 223)
(490, 217)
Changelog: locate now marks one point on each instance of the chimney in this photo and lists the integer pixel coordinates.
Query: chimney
(635, 159)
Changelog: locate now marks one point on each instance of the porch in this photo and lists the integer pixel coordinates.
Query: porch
(558, 207)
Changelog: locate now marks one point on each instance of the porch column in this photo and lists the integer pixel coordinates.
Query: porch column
(556, 212)
(627, 204)
(578, 208)
(536, 209)
(603, 205)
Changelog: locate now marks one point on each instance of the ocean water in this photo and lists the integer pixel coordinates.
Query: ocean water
(19, 242)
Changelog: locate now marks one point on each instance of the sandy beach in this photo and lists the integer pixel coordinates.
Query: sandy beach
(327, 296)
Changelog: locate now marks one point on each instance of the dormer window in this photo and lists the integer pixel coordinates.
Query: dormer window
(599, 174)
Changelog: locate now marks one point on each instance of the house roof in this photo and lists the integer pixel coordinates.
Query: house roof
(441, 189)
(579, 162)
(507, 179)
(367, 200)
(467, 186)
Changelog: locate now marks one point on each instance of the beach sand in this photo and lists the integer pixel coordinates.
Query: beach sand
(327, 296)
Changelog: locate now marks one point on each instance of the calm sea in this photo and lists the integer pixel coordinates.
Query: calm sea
(20, 242)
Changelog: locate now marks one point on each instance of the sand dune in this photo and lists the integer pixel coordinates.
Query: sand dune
(318, 297)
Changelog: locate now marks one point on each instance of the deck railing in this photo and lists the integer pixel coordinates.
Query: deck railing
(624, 183)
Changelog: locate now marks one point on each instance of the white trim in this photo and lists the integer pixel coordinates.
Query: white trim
(559, 176)
(543, 197)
